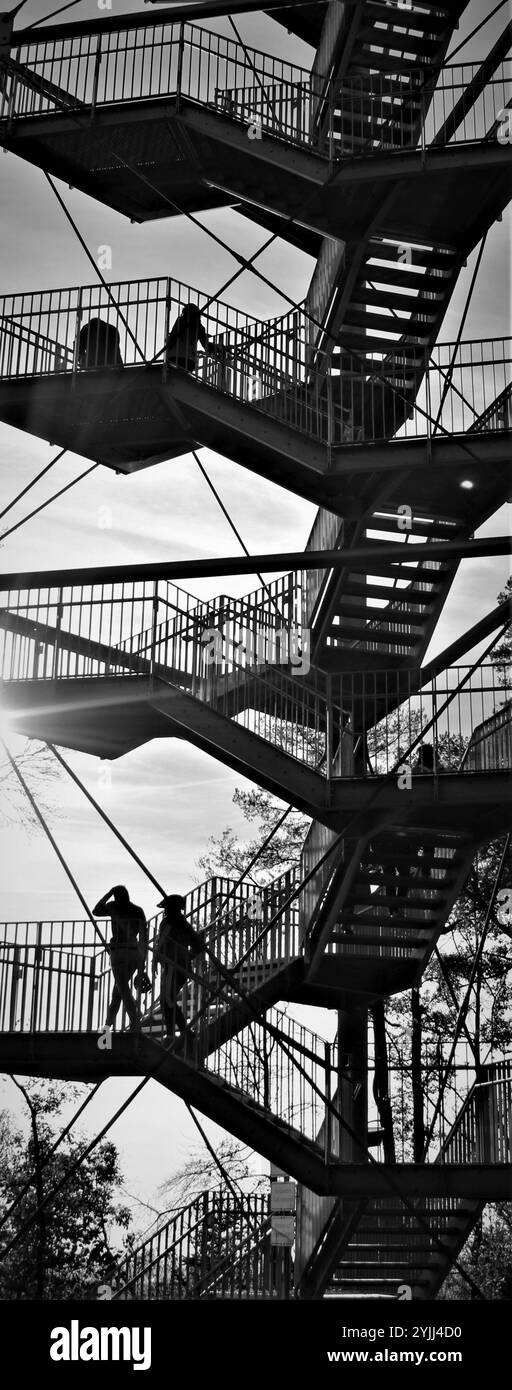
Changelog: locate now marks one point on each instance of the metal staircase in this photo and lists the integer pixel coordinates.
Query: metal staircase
(376, 1248)
(419, 33)
(387, 166)
(213, 1248)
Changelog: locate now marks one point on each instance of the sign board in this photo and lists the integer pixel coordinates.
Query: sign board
(277, 1173)
(282, 1230)
(282, 1196)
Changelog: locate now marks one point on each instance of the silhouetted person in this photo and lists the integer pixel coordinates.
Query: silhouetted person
(186, 333)
(127, 949)
(425, 759)
(362, 761)
(176, 946)
(99, 345)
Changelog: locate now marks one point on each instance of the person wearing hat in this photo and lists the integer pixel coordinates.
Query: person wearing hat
(176, 946)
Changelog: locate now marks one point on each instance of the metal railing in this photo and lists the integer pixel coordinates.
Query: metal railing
(107, 629)
(216, 1245)
(327, 533)
(129, 65)
(368, 394)
(490, 745)
(481, 1132)
(498, 415)
(382, 112)
(356, 116)
(246, 659)
(450, 1078)
(56, 975)
(318, 840)
(392, 708)
(82, 632)
(55, 978)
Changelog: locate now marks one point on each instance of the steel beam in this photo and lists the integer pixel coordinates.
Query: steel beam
(498, 617)
(441, 451)
(359, 558)
(76, 1056)
(169, 12)
(491, 1182)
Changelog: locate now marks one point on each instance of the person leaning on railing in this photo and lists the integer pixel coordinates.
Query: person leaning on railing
(127, 949)
(176, 946)
(185, 334)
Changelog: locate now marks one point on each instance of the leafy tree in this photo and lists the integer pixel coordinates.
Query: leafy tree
(502, 655)
(487, 1257)
(38, 768)
(226, 855)
(70, 1245)
(200, 1172)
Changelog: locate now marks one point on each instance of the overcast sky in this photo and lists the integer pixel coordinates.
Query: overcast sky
(168, 798)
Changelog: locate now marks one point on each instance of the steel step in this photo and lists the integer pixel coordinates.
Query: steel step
(383, 1267)
(392, 323)
(381, 634)
(409, 594)
(430, 259)
(424, 49)
(387, 900)
(379, 942)
(437, 528)
(399, 273)
(358, 610)
(398, 922)
(375, 616)
(387, 299)
(401, 880)
(435, 21)
(399, 569)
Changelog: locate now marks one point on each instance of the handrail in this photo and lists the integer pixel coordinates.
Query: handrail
(263, 365)
(366, 114)
(57, 991)
(200, 1245)
(79, 632)
(482, 1131)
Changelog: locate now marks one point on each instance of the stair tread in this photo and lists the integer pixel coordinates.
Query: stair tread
(363, 57)
(416, 271)
(379, 942)
(375, 116)
(379, 635)
(418, 1250)
(418, 44)
(417, 19)
(389, 323)
(406, 880)
(438, 527)
(378, 620)
(365, 294)
(387, 592)
(387, 900)
(360, 922)
(397, 570)
(384, 1265)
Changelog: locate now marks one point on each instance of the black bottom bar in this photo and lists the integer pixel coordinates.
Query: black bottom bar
(238, 1341)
